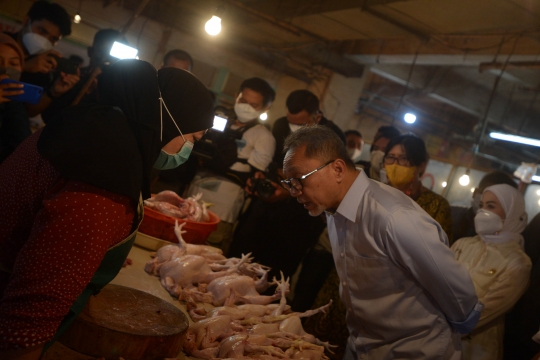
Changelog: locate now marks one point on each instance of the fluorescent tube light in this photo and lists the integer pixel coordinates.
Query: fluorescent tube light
(515, 138)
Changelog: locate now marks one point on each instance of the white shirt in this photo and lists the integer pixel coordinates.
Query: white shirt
(399, 280)
(257, 146)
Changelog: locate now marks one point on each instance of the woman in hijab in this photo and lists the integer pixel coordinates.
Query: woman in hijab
(497, 264)
(14, 123)
(70, 196)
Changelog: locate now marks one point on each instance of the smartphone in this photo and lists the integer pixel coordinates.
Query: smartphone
(219, 123)
(31, 95)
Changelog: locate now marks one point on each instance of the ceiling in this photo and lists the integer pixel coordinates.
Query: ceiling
(441, 58)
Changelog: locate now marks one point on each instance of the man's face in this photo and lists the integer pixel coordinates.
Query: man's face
(303, 118)
(354, 142)
(253, 98)
(46, 29)
(177, 63)
(381, 144)
(318, 189)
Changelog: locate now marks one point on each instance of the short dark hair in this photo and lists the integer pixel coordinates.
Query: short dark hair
(300, 100)
(76, 59)
(262, 87)
(321, 142)
(415, 148)
(178, 54)
(353, 132)
(495, 178)
(54, 13)
(387, 131)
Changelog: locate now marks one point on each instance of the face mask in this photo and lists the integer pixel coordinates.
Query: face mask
(354, 153)
(35, 43)
(294, 127)
(475, 202)
(487, 223)
(13, 73)
(400, 175)
(167, 161)
(245, 112)
(376, 159)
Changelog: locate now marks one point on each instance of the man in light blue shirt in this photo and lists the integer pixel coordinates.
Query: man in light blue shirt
(406, 295)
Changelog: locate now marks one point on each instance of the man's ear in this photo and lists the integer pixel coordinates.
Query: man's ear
(318, 116)
(339, 167)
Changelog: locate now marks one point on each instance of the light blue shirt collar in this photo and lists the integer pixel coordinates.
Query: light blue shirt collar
(350, 204)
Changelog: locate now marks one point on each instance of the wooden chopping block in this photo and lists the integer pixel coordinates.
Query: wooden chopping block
(128, 323)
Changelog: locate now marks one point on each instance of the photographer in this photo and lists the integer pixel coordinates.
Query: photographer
(99, 57)
(244, 147)
(277, 229)
(43, 26)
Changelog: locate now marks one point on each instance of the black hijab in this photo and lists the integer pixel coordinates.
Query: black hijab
(113, 145)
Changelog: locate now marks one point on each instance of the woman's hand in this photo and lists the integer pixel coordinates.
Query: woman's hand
(9, 89)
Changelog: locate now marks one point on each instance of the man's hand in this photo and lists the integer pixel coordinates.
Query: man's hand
(64, 83)
(42, 63)
(9, 89)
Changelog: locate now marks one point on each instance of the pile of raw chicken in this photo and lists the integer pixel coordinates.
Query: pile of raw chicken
(243, 324)
(169, 203)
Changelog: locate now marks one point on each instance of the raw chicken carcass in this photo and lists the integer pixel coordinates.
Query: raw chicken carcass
(207, 333)
(234, 289)
(171, 252)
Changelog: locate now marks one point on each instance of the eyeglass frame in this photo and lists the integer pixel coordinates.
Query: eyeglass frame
(398, 160)
(287, 183)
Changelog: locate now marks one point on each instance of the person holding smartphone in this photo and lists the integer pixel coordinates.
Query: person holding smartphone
(43, 27)
(14, 123)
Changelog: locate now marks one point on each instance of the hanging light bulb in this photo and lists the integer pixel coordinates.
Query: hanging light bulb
(409, 118)
(213, 26)
(464, 180)
(77, 18)
(263, 116)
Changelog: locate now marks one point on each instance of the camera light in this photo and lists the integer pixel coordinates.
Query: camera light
(444, 183)
(213, 26)
(263, 116)
(122, 51)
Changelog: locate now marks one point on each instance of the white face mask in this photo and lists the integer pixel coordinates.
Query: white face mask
(354, 153)
(487, 223)
(35, 43)
(245, 112)
(294, 127)
(376, 159)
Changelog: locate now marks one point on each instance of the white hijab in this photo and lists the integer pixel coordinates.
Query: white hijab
(515, 222)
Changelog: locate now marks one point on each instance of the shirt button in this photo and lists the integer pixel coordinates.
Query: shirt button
(342, 255)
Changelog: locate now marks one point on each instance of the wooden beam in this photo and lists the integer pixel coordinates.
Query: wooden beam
(441, 44)
(530, 65)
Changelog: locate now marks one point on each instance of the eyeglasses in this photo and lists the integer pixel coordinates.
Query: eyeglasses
(296, 183)
(403, 161)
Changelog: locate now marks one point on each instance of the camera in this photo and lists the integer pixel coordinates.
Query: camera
(263, 187)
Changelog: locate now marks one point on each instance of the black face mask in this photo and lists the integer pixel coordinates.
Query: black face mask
(13, 73)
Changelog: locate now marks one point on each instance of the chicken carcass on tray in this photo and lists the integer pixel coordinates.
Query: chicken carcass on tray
(169, 203)
(256, 329)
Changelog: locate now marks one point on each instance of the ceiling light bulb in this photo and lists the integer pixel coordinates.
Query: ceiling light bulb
(263, 116)
(444, 183)
(409, 118)
(538, 192)
(464, 180)
(213, 26)
(472, 190)
(77, 18)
